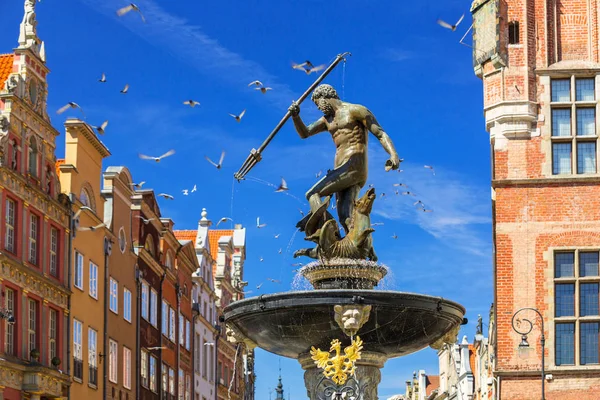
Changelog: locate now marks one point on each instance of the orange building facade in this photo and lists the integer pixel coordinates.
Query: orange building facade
(539, 61)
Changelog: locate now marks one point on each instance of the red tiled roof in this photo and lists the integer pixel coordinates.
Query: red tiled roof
(213, 240)
(6, 65)
(433, 382)
(59, 162)
(186, 235)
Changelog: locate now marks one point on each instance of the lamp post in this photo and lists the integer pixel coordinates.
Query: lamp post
(7, 315)
(524, 344)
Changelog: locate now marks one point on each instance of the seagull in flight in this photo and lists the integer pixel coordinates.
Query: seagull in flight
(157, 159)
(191, 103)
(426, 210)
(429, 167)
(419, 202)
(220, 164)
(259, 286)
(261, 259)
(277, 236)
(238, 118)
(318, 174)
(446, 25)
(146, 221)
(130, 7)
(273, 280)
(394, 236)
(70, 104)
(282, 186)
(224, 219)
(308, 67)
(408, 194)
(258, 224)
(102, 78)
(125, 89)
(101, 128)
(401, 185)
(194, 189)
(137, 185)
(166, 196)
(185, 192)
(264, 89)
(255, 83)
(91, 228)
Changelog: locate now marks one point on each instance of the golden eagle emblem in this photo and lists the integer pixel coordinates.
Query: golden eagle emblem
(338, 367)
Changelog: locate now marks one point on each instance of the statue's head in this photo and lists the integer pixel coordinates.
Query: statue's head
(322, 95)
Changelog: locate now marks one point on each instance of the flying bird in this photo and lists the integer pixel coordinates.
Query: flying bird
(277, 236)
(224, 219)
(157, 159)
(258, 224)
(382, 194)
(426, 210)
(102, 78)
(209, 344)
(101, 128)
(261, 259)
(191, 103)
(166, 196)
(308, 67)
(446, 25)
(137, 185)
(429, 167)
(273, 280)
(238, 118)
(125, 89)
(318, 174)
(185, 192)
(130, 7)
(282, 186)
(280, 251)
(258, 286)
(394, 236)
(264, 89)
(297, 264)
(408, 194)
(255, 83)
(70, 104)
(419, 202)
(78, 213)
(377, 223)
(91, 228)
(400, 184)
(146, 221)
(301, 212)
(194, 189)
(220, 164)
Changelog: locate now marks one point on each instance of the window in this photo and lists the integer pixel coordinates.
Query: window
(513, 32)
(92, 357)
(9, 225)
(169, 261)
(34, 223)
(153, 374)
(113, 361)
(53, 252)
(127, 305)
(33, 157)
(52, 334)
(114, 296)
(145, 291)
(165, 318)
(219, 371)
(78, 275)
(172, 325)
(93, 280)
(197, 353)
(187, 334)
(577, 314)
(204, 351)
(188, 387)
(181, 384)
(164, 386)
(126, 368)
(211, 354)
(574, 143)
(122, 240)
(172, 381)
(153, 308)
(84, 198)
(77, 350)
(32, 325)
(144, 368)
(149, 245)
(181, 330)
(9, 329)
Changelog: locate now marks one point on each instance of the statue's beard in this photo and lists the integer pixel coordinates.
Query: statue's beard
(325, 107)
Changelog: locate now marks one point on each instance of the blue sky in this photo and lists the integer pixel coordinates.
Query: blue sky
(411, 73)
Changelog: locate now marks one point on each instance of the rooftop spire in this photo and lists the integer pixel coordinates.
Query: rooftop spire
(279, 388)
(28, 38)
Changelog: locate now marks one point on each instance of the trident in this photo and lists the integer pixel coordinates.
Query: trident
(256, 155)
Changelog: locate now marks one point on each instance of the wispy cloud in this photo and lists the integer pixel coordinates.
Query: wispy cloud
(460, 209)
(189, 43)
(397, 55)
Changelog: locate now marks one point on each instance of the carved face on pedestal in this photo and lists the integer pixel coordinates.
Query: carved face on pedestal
(351, 317)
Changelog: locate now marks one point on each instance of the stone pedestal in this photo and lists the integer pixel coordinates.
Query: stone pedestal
(363, 386)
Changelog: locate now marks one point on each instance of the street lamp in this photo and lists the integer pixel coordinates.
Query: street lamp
(524, 343)
(8, 316)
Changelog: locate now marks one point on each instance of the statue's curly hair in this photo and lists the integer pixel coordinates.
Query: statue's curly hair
(324, 92)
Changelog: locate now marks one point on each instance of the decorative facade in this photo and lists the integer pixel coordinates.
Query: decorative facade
(540, 66)
(35, 229)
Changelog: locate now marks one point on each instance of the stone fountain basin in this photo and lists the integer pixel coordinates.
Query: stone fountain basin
(289, 323)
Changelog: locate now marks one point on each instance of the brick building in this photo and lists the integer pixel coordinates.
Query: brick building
(539, 62)
(35, 221)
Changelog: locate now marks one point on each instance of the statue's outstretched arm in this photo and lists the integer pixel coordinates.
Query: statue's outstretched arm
(303, 130)
(376, 129)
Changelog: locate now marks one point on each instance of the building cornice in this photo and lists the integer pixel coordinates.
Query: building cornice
(570, 180)
(82, 128)
(145, 256)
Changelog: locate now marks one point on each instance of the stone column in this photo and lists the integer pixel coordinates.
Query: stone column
(363, 386)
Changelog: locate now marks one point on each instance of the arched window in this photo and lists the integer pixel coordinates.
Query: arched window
(149, 244)
(169, 261)
(33, 157)
(84, 198)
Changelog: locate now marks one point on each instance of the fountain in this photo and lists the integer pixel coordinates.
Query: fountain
(358, 328)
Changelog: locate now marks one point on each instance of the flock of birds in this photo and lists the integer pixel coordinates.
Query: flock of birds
(307, 67)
